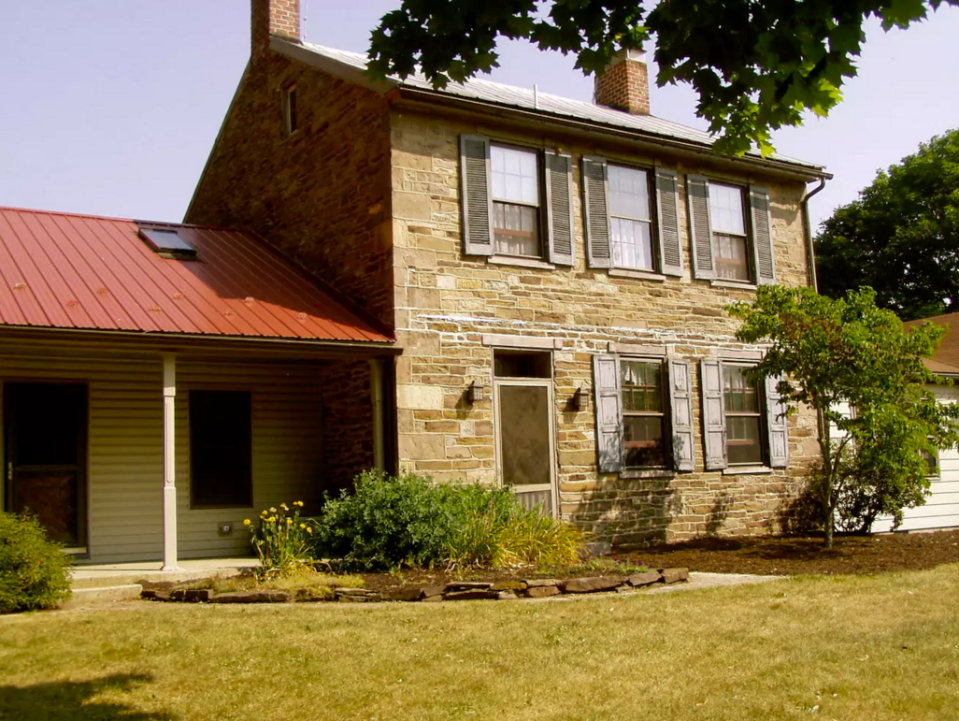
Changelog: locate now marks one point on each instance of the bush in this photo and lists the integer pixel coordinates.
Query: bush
(282, 540)
(388, 522)
(33, 569)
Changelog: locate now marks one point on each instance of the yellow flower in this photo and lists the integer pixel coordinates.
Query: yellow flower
(309, 530)
(247, 521)
(263, 514)
(302, 526)
(284, 507)
(272, 510)
(271, 519)
(298, 503)
(289, 521)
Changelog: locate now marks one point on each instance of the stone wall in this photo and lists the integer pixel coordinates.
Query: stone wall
(446, 303)
(321, 195)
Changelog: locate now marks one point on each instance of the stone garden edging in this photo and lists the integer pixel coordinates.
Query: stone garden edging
(453, 591)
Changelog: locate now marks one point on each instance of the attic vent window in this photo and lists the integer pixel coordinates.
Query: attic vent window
(168, 243)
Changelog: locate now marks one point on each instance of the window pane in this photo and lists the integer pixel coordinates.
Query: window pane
(643, 441)
(726, 209)
(629, 193)
(732, 261)
(221, 448)
(741, 395)
(515, 229)
(514, 175)
(742, 440)
(632, 244)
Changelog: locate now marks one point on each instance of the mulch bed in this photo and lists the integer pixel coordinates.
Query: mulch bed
(787, 556)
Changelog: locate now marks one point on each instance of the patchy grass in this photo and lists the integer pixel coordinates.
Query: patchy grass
(852, 648)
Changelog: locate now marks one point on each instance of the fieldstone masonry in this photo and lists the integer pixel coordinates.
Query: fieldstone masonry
(366, 195)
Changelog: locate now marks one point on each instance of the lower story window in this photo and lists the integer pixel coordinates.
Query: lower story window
(221, 449)
(743, 417)
(643, 414)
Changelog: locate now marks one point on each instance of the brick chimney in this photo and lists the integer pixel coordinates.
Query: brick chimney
(624, 85)
(273, 17)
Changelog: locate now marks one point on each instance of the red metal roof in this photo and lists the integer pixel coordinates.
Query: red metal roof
(60, 270)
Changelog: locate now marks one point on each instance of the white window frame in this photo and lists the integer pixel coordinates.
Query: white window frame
(537, 207)
(650, 220)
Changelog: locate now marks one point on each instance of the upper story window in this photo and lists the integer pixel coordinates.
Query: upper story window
(728, 224)
(630, 218)
(516, 203)
(515, 176)
(731, 228)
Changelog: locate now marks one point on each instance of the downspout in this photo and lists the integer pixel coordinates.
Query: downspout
(807, 236)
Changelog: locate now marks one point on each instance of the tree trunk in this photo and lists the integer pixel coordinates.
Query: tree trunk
(825, 449)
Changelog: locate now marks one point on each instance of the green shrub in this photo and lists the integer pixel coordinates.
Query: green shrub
(281, 540)
(391, 521)
(33, 569)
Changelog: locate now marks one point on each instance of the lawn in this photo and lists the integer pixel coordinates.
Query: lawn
(844, 647)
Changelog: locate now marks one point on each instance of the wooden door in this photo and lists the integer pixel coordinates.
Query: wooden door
(45, 426)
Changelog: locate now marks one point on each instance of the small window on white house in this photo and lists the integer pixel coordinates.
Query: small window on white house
(630, 218)
(289, 111)
(730, 243)
(515, 193)
(932, 462)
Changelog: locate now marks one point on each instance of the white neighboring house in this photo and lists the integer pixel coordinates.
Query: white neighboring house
(941, 509)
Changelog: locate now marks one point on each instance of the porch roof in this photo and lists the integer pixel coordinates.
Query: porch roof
(82, 272)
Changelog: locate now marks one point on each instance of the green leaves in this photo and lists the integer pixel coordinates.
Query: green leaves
(756, 66)
(901, 236)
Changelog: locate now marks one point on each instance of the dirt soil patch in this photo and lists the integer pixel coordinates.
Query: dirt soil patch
(788, 556)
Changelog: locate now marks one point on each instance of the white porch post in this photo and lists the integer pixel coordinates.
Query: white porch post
(169, 463)
(379, 432)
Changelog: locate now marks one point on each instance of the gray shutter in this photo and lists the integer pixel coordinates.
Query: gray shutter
(475, 195)
(697, 192)
(596, 213)
(762, 227)
(681, 408)
(777, 425)
(667, 207)
(714, 414)
(609, 413)
(559, 207)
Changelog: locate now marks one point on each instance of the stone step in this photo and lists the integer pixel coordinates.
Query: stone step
(107, 579)
(103, 594)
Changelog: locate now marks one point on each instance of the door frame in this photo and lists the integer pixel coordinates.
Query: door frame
(83, 457)
(552, 486)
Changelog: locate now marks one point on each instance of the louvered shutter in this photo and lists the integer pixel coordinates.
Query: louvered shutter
(596, 213)
(714, 414)
(697, 192)
(777, 425)
(762, 227)
(559, 207)
(475, 195)
(681, 407)
(667, 215)
(609, 413)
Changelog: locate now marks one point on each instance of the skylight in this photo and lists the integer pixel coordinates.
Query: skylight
(167, 243)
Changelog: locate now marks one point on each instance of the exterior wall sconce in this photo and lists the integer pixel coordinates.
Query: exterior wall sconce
(474, 393)
(581, 400)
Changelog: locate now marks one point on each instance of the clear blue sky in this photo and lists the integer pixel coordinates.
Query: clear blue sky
(110, 107)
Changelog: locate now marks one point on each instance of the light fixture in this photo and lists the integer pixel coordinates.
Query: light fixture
(474, 394)
(581, 400)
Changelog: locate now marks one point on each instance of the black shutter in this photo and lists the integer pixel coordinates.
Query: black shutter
(762, 228)
(596, 213)
(475, 195)
(667, 206)
(697, 192)
(559, 207)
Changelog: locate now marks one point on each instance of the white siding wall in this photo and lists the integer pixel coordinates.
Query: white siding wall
(125, 447)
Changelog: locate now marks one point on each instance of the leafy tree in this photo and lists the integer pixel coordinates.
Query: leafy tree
(755, 65)
(901, 237)
(849, 352)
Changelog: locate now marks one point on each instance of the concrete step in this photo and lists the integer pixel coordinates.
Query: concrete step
(83, 579)
(103, 594)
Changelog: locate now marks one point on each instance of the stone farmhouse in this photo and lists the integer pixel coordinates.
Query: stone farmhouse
(555, 273)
